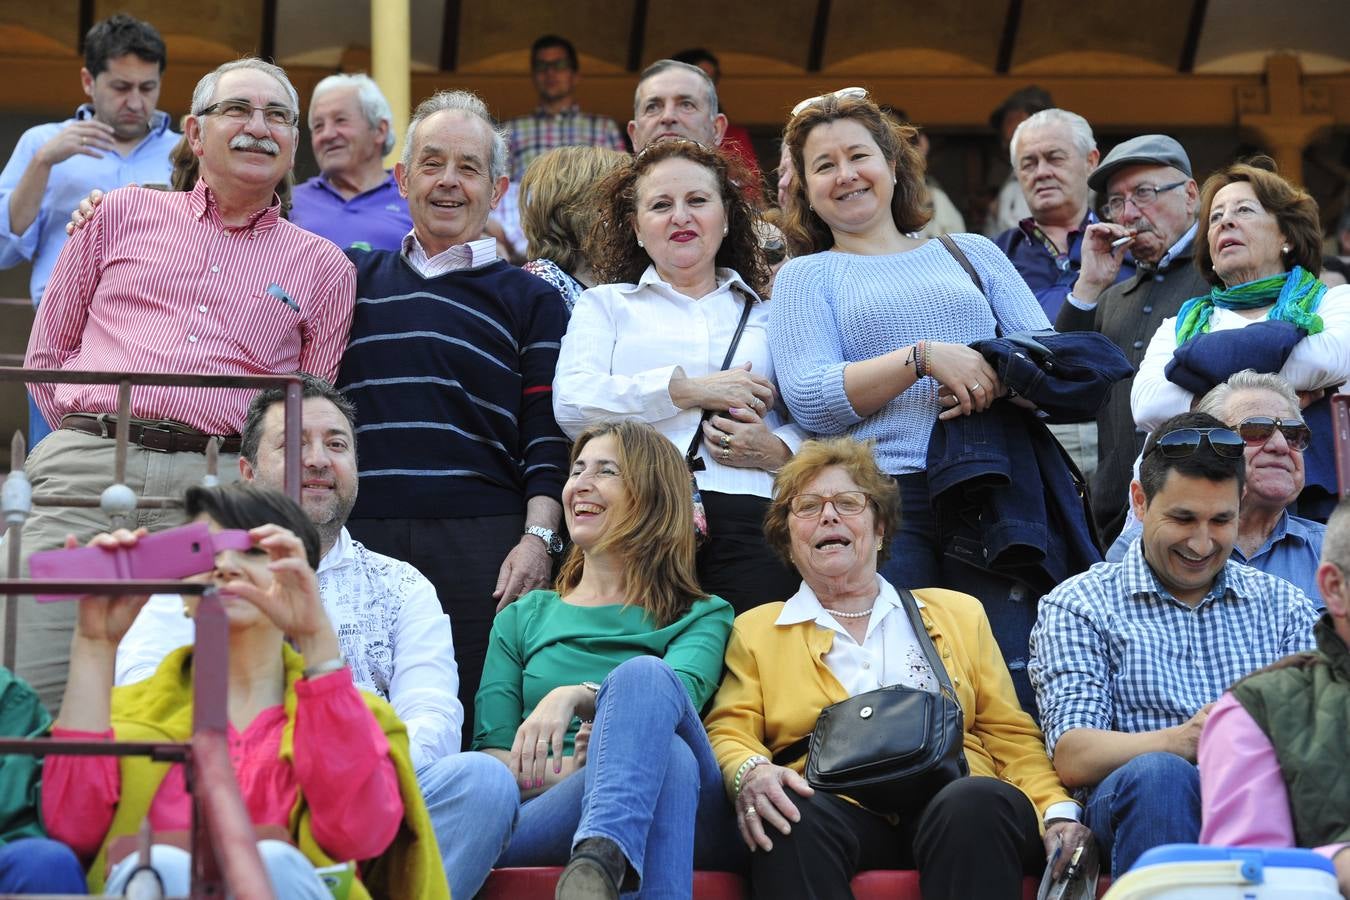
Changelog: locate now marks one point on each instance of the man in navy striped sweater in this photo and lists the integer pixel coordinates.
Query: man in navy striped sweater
(451, 363)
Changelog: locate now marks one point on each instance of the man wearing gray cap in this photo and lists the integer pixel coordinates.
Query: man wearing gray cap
(1145, 193)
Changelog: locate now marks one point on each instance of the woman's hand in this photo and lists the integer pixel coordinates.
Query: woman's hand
(80, 215)
(581, 742)
(1067, 836)
(542, 731)
(104, 620)
(764, 800)
(966, 377)
(720, 391)
(740, 438)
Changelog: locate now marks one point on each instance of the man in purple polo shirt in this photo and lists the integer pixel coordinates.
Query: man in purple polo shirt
(353, 199)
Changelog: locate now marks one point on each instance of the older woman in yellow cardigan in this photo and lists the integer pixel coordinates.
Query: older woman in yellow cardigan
(845, 632)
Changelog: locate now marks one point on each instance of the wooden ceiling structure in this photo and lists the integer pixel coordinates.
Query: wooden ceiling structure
(1278, 72)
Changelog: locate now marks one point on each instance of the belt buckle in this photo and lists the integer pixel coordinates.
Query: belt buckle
(157, 428)
(105, 422)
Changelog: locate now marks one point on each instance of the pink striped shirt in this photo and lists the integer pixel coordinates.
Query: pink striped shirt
(157, 283)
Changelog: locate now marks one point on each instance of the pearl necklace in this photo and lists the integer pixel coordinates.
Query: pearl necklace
(851, 615)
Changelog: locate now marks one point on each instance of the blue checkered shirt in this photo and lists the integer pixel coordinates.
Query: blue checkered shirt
(1112, 650)
(533, 135)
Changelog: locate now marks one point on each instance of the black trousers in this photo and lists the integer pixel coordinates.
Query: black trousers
(461, 558)
(735, 562)
(974, 841)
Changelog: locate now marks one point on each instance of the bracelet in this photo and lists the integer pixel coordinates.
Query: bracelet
(928, 357)
(325, 667)
(756, 760)
(920, 370)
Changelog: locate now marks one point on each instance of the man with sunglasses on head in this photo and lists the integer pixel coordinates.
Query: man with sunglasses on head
(1145, 192)
(1128, 658)
(209, 281)
(1264, 410)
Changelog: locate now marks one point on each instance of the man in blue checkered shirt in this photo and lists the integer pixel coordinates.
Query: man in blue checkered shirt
(1127, 658)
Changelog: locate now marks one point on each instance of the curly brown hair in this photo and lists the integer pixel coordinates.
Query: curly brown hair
(807, 232)
(612, 246)
(1294, 209)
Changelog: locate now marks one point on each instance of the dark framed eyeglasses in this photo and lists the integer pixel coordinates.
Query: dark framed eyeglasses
(1142, 196)
(241, 111)
(1256, 430)
(1183, 442)
(846, 503)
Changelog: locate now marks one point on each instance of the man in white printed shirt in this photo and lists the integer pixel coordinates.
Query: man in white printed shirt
(391, 630)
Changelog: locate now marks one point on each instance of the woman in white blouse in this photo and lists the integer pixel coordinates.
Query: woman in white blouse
(675, 249)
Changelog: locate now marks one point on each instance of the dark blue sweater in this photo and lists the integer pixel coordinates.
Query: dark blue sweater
(452, 378)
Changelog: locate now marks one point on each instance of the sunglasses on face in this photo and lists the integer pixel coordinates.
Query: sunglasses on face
(1184, 441)
(1256, 430)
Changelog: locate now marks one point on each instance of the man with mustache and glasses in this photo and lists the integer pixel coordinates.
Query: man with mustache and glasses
(1128, 658)
(116, 138)
(207, 281)
(390, 629)
(1144, 190)
(1264, 410)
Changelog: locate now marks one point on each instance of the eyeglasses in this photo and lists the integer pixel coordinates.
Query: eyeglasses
(551, 65)
(1184, 441)
(239, 111)
(846, 503)
(848, 93)
(1256, 430)
(1142, 196)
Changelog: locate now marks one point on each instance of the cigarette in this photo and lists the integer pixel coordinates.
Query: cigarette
(1121, 242)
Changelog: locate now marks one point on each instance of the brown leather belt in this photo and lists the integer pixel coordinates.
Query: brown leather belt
(161, 437)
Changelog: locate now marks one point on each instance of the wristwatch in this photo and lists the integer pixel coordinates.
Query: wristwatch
(551, 540)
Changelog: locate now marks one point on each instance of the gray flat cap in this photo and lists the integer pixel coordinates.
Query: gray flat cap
(1147, 149)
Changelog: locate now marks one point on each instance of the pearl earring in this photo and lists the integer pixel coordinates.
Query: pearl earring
(1286, 249)
(725, 229)
(640, 244)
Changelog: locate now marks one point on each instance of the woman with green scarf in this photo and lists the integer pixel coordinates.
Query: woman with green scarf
(1263, 245)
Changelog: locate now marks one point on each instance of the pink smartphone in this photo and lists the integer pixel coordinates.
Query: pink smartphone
(176, 553)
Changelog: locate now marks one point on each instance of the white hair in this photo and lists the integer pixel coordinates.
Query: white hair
(469, 104)
(1079, 130)
(1216, 401)
(206, 88)
(373, 103)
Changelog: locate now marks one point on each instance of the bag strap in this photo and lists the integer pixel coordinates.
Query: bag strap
(691, 457)
(797, 748)
(960, 256)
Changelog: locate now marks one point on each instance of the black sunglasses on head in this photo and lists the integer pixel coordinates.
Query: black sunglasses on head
(1184, 441)
(1256, 430)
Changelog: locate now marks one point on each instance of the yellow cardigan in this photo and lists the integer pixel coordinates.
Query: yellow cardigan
(777, 683)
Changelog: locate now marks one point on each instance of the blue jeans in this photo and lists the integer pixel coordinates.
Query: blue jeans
(1153, 799)
(291, 874)
(916, 561)
(650, 783)
(40, 866)
(472, 801)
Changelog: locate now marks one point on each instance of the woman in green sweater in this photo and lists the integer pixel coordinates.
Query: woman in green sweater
(590, 694)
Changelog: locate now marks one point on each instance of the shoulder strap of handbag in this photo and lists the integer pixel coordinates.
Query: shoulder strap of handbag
(691, 456)
(960, 256)
(797, 748)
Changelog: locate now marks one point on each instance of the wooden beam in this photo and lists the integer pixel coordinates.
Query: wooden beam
(84, 23)
(267, 43)
(820, 28)
(450, 36)
(637, 36)
(1192, 39)
(1007, 42)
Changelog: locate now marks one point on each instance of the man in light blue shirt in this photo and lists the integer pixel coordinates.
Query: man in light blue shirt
(116, 138)
(1269, 538)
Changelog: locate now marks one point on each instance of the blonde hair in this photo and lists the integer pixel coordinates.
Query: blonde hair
(557, 204)
(655, 535)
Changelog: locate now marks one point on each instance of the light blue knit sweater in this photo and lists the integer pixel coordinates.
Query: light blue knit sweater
(830, 309)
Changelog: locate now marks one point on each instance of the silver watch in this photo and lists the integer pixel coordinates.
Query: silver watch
(551, 540)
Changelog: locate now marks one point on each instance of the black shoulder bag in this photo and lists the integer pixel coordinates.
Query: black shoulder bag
(691, 457)
(891, 749)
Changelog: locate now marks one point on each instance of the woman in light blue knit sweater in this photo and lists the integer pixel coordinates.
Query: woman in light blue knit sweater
(870, 326)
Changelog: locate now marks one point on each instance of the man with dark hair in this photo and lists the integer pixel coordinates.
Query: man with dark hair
(1127, 658)
(390, 627)
(115, 138)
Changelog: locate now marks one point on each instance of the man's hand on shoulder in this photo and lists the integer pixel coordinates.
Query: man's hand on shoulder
(526, 568)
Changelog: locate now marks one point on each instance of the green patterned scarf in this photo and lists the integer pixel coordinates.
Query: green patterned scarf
(1296, 296)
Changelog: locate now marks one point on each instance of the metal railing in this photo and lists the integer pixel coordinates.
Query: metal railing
(224, 846)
